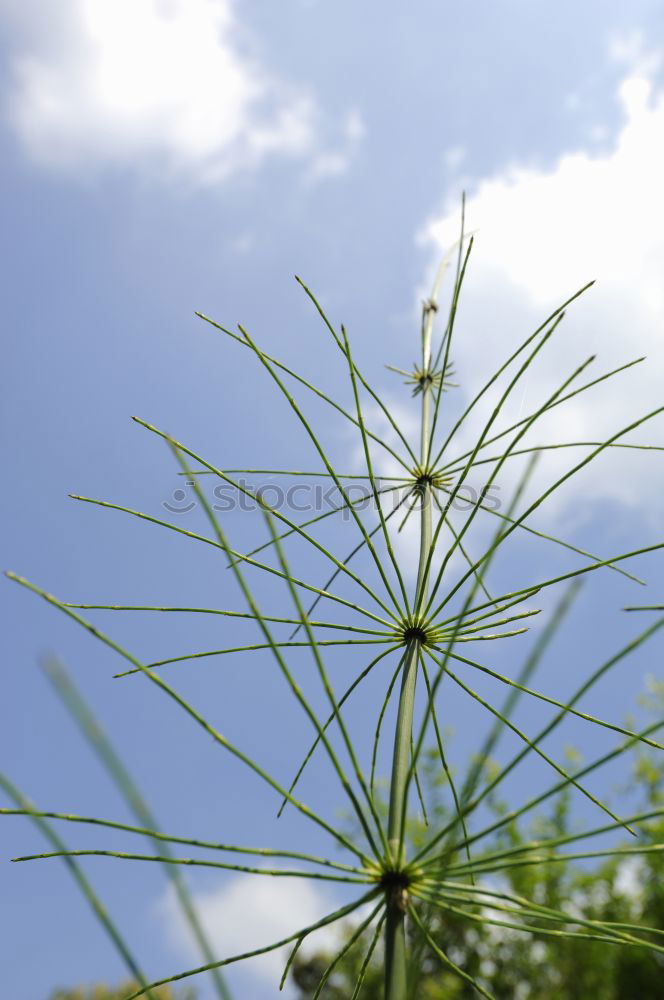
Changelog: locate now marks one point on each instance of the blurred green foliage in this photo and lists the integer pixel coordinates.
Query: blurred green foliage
(100, 992)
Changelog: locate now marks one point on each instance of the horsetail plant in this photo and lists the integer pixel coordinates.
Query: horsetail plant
(421, 634)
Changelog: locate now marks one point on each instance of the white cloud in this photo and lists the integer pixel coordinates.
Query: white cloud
(248, 912)
(454, 157)
(542, 233)
(167, 85)
(336, 161)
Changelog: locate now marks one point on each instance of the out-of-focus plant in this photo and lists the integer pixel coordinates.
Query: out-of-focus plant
(101, 992)
(421, 633)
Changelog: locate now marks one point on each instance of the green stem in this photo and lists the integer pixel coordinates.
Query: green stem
(395, 936)
(396, 901)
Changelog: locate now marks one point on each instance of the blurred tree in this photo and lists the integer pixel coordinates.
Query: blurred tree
(511, 964)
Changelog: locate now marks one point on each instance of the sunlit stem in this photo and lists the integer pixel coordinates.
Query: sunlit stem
(395, 932)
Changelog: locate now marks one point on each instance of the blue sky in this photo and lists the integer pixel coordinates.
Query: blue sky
(160, 158)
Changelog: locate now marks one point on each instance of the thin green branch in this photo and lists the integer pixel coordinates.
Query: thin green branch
(322, 455)
(351, 554)
(95, 904)
(496, 375)
(513, 696)
(202, 722)
(545, 859)
(322, 673)
(547, 537)
(236, 557)
(198, 862)
(208, 845)
(548, 843)
(447, 339)
(367, 458)
(128, 788)
(553, 447)
(307, 385)
(558, 402)
(298, 472)
(280, 517)
(489, 423)
(360, 677)
(445, 959)
(606, 937)
(257, 646)
(546, 731)
(469, 520)
(325, 922)
(443, 759)
(552, 701)
(458, 619)
(530, 743)
(463, 551)
(367, 958)
(294, 687)
(379, 724)
(531, 590)
(217, 611)
(357, 933)
(326, 514)
(395, 427)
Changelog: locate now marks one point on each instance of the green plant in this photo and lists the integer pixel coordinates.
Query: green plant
(418, 632)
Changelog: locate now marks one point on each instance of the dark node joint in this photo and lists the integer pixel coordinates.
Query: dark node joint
(396, 880)
(395, 884)
(415, 632)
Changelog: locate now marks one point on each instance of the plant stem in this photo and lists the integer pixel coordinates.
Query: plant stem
(396, 901)
(395, 936)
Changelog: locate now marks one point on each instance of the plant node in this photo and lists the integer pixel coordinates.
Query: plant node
(424, 477)
(395, 878)
(425, 378)
(418, 630)
(416, 633)
(396, 882)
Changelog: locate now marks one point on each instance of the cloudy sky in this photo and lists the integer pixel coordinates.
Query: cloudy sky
(165, 157)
